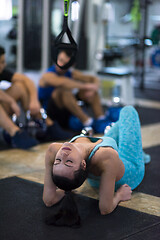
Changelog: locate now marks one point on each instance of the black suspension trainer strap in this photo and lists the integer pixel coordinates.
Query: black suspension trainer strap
(60, 46)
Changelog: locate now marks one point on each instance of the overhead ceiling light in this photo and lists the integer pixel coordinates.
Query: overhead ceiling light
(5, 9)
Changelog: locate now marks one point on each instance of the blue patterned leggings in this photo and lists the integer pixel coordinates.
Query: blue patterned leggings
(127, 134)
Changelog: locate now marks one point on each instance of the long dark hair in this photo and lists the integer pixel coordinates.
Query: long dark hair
(67, 213)
(68, 184)
(63, 213)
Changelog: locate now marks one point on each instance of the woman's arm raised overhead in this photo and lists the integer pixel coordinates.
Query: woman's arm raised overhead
(50, 194)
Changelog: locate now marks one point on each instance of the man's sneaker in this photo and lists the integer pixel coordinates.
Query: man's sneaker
(37, 128)
(75, 124)
(87, 131)
(23, 140)
(97, 125)
(6, 137)
(108, 127)
(113, 113)
(55, 133)
(100, 125)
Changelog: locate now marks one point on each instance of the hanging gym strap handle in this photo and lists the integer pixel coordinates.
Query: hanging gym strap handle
(60, 46)
(65, 20)
(66, 7)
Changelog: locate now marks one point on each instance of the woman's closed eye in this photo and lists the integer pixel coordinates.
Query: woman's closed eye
(70, 161)
(58, 160)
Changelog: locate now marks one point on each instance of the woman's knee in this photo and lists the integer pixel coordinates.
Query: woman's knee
(128, 111)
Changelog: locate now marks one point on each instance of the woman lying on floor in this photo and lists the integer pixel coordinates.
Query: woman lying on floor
(114, 163)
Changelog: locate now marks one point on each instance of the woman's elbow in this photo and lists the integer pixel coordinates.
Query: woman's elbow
(47, 202)
(105, 210)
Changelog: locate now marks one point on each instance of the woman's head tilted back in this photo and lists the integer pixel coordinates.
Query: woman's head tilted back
(69, 169)
(69, 172)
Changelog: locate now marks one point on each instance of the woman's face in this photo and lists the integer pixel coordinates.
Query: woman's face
(68, 159)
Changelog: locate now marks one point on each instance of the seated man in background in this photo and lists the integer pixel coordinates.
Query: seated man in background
(22, 89)
(57, 96)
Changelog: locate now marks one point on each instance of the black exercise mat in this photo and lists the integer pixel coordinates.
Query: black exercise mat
(151, 181)
(21, 217)
(152, 233)
(148, 115)
(148, 94)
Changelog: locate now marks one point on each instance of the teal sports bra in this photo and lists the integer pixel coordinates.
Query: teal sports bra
(106, 142)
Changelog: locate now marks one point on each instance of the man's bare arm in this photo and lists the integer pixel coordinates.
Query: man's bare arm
(77, 75)
(51, 79)
(34, 105)
(5, 98)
